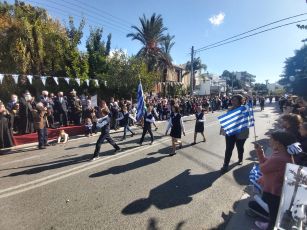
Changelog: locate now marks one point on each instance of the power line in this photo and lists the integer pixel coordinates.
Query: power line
(213, 44)
(111, 15)
(97, 18)
(260, 32)
(73, 14)
(91, 10)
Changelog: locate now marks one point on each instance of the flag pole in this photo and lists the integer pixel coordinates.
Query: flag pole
(251, 98)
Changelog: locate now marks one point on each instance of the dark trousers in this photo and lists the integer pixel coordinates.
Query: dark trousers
(101, 139)
(231, 141)
(42, 135)
(273, 203)
(77, 118)
(145, 130)
(126, 127)
(62, 118)
(88, 131)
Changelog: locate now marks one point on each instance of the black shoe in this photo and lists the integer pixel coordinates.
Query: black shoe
(151, 143)
(47, 144)
(193, 143)
(140, 143)
(123, 139)
(156, 128)
(240, 162)
(118, 150)
(180, 146)
(132, 134)
(41, 147)
(172, 154)
(224, 169)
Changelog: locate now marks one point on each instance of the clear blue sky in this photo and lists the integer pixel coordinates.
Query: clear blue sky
(262, 55)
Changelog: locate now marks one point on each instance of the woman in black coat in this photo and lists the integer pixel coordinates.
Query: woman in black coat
(6, 135)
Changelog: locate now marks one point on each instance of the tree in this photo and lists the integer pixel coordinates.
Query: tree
(261, 88)
(97, 52)
(166, 46)
(197, 65)
(72, 54)
(151, 35)
(294, 77)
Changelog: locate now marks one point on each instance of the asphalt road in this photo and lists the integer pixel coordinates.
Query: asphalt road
(139, 188)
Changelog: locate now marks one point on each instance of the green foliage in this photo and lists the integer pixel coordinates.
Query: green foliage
(261, 88)
(97, 52)
(123, 74)
(294, 77)
(31, 42)
(197, 65)
(74, 62)
(151, 35)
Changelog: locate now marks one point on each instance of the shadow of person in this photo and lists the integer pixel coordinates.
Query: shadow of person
(177, 191)
(128, 167)
(241, 174)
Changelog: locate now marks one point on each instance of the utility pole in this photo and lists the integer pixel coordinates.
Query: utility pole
(192, 72)
(232, 84)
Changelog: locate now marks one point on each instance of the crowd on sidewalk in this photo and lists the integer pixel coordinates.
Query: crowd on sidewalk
(289, 144)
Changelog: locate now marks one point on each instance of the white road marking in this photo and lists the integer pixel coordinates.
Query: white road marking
(81, 168)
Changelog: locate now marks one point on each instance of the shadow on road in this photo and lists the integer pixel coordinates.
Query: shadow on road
(175, 192)
(153, 224)
(128, 167)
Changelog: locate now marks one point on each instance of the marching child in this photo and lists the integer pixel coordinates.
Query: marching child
(199, 125)
(148, 120)
(124, 119)
(176, 125)
(88, 127)
(104, 124)
(63, 137)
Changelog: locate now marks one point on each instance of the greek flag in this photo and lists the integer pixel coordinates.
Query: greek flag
(140, 104)
(254, 176)
(238, 119)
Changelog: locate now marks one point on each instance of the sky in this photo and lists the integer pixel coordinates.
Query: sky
(198, 23)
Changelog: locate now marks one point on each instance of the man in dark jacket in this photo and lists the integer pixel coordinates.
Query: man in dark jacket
(60, 109)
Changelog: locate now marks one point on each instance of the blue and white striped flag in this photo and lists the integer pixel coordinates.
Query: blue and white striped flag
(238, 119)
(254, 176)
(140, 104)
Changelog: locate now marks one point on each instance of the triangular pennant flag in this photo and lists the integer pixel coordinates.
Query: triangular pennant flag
(67, 80)
(1, 78)
(96, 82)
(78, 81)
(15, 77)
(56, 79)
(44, 78)
(87, 82)
(30, 78)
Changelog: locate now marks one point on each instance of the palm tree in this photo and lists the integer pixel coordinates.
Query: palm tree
(150, 34)
(166, 46)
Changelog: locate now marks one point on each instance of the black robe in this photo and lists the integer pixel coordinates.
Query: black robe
(6, 135)
(26, 124)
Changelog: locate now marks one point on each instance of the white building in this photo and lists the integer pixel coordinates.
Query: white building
(207, 84)
(272, 87)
